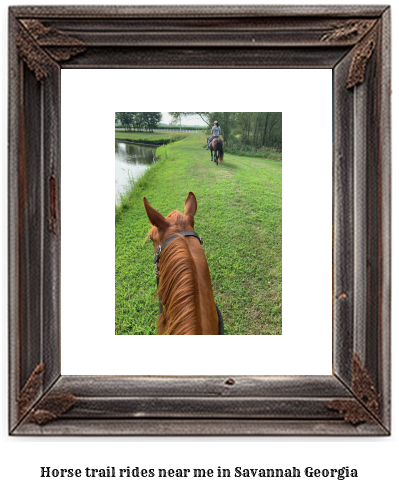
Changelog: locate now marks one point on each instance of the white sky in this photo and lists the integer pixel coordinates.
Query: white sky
(188, 120)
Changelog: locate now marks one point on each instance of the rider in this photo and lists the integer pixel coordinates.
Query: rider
(215, 132)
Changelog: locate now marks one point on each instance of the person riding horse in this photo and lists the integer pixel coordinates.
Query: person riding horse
(215, 144)
(215, 133)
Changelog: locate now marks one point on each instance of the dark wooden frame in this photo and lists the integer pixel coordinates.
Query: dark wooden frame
(353, 41)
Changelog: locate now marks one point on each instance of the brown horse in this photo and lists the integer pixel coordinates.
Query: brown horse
(216, 146)
(185, 289)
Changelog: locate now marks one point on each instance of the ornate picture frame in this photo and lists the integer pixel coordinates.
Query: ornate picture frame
(352, 41)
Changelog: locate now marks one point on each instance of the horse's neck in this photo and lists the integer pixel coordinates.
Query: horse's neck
(208, 316)
(187, 293)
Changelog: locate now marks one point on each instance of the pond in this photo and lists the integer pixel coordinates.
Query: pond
(131, 161)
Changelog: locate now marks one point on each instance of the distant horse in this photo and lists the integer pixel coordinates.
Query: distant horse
(185, 292)
(216, 146)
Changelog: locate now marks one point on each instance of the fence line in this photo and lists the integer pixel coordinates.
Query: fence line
(164, 130)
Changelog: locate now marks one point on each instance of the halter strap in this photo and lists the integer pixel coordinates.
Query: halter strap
(157, 254)
(167, 241)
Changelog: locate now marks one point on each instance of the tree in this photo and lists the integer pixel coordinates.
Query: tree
(151, 120)
(244, 126)
(137, 120)
(259, 129)
(125, 119)
(176, 118)
(272, 129)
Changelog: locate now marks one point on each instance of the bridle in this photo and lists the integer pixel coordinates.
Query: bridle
(157, 257)
(160, 248)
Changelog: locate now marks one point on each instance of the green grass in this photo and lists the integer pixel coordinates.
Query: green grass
(157, 138)
(240, 218)
(247, 150)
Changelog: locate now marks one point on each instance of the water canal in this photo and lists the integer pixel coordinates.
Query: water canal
(131, 161)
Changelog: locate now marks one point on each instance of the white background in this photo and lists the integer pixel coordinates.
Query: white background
(21, 458)
(89, 345)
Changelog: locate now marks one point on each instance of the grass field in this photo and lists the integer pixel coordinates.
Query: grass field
(247, 151)
(239, 217)
(157, 138)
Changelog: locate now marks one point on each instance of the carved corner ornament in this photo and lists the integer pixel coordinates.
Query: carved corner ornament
(30, 391)
(51, 407)
(361, 411)
(39, 46)
(351, 31)
(364, 34)
(362, 54)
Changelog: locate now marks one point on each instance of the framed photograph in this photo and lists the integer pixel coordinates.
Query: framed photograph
(239, 215)
(47, 46)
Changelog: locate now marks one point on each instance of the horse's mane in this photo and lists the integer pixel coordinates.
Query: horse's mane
(178, 291)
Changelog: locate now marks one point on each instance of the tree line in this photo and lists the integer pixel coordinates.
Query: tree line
(253, 129)
(250, 129)
(138, 121)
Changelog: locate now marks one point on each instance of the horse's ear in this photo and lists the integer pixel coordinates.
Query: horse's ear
(156, 218)
(190, 205)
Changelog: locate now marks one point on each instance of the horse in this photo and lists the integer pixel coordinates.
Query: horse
(187, 304)
(216, 146)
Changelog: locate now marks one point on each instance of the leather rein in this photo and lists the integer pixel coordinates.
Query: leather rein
(157, 257)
